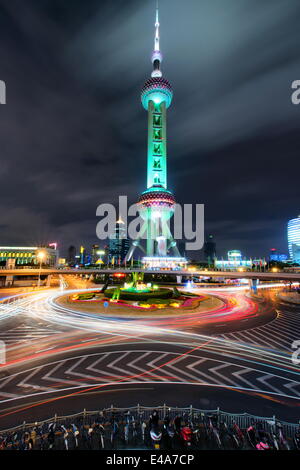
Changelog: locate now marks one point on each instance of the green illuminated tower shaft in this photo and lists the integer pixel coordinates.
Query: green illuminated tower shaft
(157, 145)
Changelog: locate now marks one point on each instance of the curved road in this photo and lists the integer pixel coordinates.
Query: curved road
(60, 360)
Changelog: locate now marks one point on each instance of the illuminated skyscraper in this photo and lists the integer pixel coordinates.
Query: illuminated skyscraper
(118, 243)
(82, 255)
(157, 203)
(293, 232)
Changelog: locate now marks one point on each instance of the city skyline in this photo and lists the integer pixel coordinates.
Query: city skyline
(76, 119)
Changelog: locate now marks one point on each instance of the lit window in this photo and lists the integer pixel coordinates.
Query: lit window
(157, 120)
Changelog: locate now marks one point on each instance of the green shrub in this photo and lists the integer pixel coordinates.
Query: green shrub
(86, 296)
(162, 293)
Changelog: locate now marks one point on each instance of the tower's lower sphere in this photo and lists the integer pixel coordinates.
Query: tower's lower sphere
(159, 200)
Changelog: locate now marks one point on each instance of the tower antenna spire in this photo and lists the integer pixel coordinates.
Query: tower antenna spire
(156, 56)
(156, 39)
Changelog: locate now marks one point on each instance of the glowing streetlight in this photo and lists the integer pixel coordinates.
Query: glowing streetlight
(41, 255)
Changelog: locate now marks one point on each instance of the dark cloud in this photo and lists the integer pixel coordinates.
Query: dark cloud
(73, 132)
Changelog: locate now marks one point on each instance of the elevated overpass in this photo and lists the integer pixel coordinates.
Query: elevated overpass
(251, 275)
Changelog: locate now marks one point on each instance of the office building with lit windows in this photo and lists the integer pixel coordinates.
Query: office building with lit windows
(276, 256)
(235, 261)
(293, 233)
(27, 256)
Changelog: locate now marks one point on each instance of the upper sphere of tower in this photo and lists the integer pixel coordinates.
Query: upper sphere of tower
(157, 89)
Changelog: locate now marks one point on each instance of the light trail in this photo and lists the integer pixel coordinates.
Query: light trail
(104, 332)
(42, 306)
(270, 285)
(125, 379)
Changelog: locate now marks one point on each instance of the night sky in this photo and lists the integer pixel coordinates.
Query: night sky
(73, 132)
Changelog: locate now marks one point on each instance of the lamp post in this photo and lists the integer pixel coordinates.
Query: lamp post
(41, 255)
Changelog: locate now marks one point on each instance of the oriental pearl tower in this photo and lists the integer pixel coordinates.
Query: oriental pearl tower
(156, 204)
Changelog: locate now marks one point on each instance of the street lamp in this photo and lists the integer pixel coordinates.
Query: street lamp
(41, 256)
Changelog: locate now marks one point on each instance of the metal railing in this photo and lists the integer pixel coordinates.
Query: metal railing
(244, 420)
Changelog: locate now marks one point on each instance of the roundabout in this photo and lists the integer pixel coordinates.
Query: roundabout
(196, 311)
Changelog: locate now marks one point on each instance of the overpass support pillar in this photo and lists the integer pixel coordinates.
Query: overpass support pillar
(48, 282)
(178, 279)
(9, 281)
(253, 285)
(91, 278)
